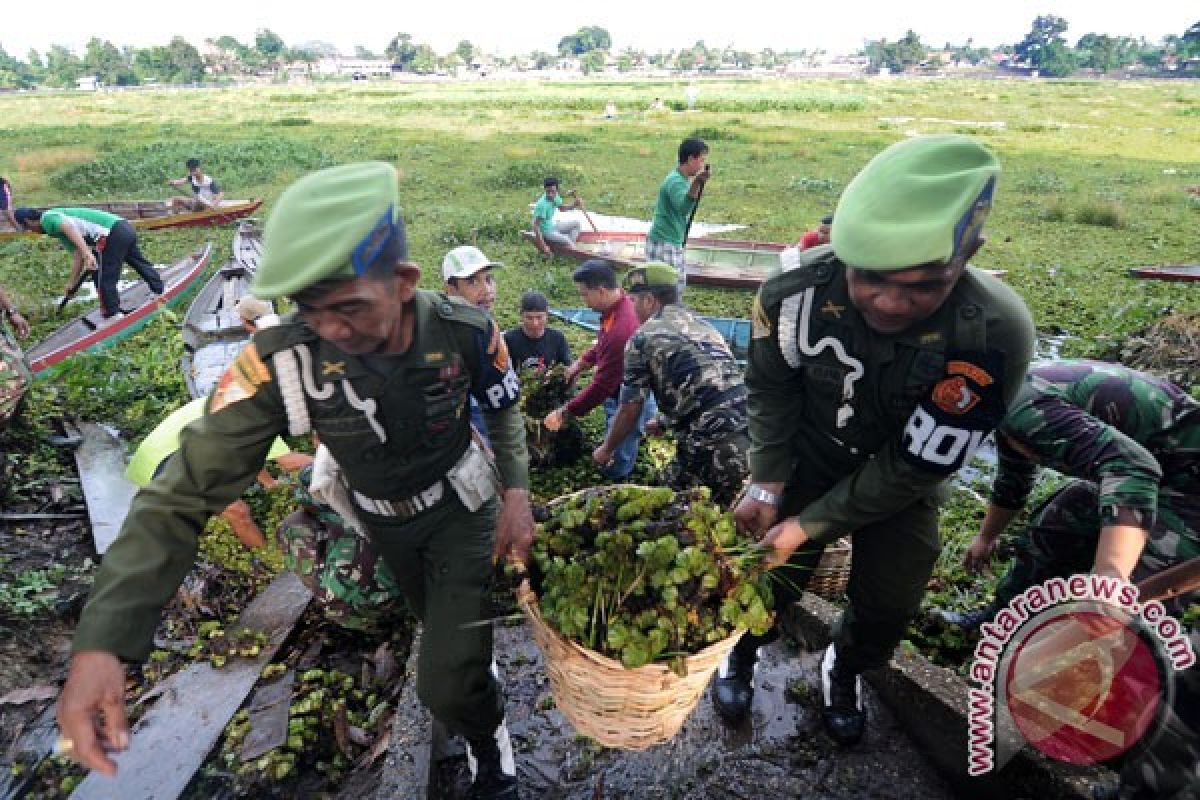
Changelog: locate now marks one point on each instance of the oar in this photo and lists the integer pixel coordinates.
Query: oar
(692, 216)
(592, 222)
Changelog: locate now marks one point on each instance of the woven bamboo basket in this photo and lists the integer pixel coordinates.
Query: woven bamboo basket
(629, 709)
(832, 573)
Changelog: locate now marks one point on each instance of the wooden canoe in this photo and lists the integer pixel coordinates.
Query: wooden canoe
(247, 244)
(89, 330)
(735, 331)
(152, 214)
(1168, 272)
(213, 334)
(728, 263)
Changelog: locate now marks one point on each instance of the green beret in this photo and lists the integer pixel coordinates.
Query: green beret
(918, 202)
(655, 275)
(333, 223)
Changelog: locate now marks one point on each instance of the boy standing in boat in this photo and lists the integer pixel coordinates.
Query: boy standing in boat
(677, 198)
(207, 193)
(84, 230)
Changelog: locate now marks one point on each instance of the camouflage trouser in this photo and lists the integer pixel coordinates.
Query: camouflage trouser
(1062, 536)
(1169, 767)
(719, 463)
(352, 585)
(14, 376)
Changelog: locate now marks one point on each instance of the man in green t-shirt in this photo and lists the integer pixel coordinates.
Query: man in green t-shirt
(545, 230)
(87, 233)
(677, 198)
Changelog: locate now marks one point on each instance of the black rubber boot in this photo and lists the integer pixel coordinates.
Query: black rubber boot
(843, 710)
(491, 762)
(733, 689)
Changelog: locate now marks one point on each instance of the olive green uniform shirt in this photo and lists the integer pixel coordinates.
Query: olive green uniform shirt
(417, 400)
(871, 421)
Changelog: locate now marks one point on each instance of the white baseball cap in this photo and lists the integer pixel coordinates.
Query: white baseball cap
(465, 261)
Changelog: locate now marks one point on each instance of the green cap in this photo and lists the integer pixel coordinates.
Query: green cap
(333, 223)
(655, 275)
(920, 201)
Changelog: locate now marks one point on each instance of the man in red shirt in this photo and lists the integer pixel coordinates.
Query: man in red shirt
(597, 285)
(819, 236)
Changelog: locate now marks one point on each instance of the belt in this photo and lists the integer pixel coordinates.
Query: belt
(405, 507)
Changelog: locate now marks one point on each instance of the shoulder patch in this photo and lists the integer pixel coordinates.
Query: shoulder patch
(241, 380)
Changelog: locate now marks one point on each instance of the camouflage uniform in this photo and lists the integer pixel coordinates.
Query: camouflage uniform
(699, 388)
(353, 585)
(1132, 441)
(14, 375)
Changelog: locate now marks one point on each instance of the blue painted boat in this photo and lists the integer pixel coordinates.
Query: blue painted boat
(735, 331)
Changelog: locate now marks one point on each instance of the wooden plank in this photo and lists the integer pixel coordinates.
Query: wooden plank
(30, 750)
(269, 717)
(172, 740)
(101, 461)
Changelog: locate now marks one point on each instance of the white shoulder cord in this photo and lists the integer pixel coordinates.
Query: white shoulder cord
(788, 341)
(369, 407)
(290, 387)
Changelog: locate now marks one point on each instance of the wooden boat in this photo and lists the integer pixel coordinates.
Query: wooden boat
(90, 330)
(153, 214)
(728, 263)
(1168, 272)
(213, 334)
(247, 244)
(735, 331)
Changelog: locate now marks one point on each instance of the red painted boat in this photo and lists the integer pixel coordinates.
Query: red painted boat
(154, 214)
(1168, 272)
(728, 263)
(90, 329)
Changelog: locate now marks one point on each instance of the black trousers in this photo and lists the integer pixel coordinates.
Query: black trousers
(122, 248)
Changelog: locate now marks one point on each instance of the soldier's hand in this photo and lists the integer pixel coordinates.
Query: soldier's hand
(91, 711)
(978, 556)
(754, 516)
(782, 540)
(514, 527)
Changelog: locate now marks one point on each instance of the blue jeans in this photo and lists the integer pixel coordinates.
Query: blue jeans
(625, 455)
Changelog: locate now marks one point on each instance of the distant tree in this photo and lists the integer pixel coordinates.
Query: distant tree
(768, 58)
(465, 51)
(686, 60)
(585, 40)
(1190, 40)
(541, 59)
(106, 62)
(401, 51)
(592, 61)
(364, 53)
(63, 68)
(425, 61)
(1044, 47)
(319, 48)
(14, 74)
(187, 66)
(270, 46)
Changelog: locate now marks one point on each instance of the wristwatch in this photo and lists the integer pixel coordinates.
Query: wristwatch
(756, 492)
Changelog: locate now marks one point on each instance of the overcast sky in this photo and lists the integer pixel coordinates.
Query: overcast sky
(506, 27)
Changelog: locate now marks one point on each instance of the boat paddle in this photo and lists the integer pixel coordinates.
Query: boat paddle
(699, 194)
(587, 216)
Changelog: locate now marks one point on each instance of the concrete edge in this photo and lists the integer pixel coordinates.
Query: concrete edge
(930, 702)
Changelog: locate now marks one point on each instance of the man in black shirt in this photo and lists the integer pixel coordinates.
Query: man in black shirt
(532, 344)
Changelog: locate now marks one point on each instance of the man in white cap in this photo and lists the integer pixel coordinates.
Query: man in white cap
(468, 274)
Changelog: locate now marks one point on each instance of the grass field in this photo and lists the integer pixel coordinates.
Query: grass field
(1094, 182)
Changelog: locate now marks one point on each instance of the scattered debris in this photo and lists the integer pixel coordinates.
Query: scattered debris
(1169, 348)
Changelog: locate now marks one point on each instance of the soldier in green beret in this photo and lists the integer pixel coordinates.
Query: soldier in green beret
(878, 363)
(690, 369)
(381, 371)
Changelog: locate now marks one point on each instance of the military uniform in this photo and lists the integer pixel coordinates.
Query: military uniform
(866, 429)
(14, 375)
(1131, 441)
(352, 584)
(396, 425)
(688, 366)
